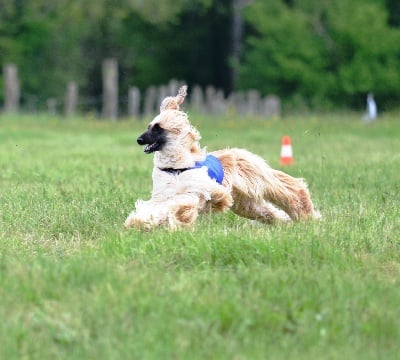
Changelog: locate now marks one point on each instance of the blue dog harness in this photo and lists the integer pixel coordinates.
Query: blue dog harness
(214, 168)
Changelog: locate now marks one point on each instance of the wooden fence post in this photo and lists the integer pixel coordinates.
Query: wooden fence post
(71, 99)
(197, 99)
(134, 102)
(11, 88)
(253, 102)
(51, 106)
(163, 92)
(237, 102)
(110, 89)
(272, 106)
(150, 100)
(173, 87)
(210, 95)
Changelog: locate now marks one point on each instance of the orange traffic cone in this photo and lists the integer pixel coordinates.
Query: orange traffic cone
(286, 151)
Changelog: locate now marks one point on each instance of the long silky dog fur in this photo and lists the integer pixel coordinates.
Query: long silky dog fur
(250, 188)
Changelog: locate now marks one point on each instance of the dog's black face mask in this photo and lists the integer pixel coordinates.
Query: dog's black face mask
(154, 138)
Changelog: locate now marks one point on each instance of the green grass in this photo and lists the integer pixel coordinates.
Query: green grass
(75, 285)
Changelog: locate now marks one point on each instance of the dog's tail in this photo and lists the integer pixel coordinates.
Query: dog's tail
(248, 176)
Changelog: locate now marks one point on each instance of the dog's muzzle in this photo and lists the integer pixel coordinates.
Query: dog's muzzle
(140, 140)
(151, 145)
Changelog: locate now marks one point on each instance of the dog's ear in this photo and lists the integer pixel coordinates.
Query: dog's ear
(194, 137)
(173, 102)
(194, 134)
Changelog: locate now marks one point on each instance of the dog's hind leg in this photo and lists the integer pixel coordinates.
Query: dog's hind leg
(292, 195)
(264, 212)
(249, 177)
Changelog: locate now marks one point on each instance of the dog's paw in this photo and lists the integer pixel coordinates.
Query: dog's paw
(129, 222)
(133, 221)
(317, 215)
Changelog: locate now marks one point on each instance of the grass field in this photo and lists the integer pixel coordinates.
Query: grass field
(75, 285)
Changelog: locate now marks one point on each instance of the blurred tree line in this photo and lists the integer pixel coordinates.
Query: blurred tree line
(314, 53)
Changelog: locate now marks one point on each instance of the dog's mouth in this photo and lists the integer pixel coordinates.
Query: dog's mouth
(153, 147)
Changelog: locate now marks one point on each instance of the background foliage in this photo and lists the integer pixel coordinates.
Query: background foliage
(321, 53)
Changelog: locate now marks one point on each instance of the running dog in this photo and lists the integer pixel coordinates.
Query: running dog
(187, 181)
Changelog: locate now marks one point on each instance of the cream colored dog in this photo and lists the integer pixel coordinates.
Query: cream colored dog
(187, 181)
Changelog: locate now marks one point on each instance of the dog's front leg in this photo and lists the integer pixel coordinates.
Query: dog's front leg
(147, 214)
(182, 211)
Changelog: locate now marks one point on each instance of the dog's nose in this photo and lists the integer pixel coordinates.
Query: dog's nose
(140, 140)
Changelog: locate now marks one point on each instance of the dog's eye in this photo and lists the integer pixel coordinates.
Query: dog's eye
(156, 126)
(157, 129)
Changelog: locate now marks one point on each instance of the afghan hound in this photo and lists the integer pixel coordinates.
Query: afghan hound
(187, 181)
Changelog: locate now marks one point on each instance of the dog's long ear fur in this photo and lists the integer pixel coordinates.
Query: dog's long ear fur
(194, 136)
(173, 102)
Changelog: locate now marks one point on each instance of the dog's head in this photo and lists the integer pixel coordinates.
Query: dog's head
(171, 128)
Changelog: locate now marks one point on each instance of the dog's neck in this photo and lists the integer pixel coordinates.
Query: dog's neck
(178, 157)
